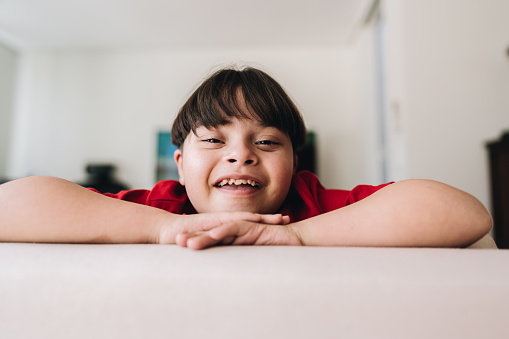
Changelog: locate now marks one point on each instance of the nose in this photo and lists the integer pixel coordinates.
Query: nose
(247, 162)
(242, 154)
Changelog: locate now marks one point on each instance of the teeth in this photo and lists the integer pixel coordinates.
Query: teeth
(238, 182)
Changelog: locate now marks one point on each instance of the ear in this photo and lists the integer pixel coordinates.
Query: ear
(179, 159)
(295, 163)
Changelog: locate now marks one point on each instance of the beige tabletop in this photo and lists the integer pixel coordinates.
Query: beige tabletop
(157, 291)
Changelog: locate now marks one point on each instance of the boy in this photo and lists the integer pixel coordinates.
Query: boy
(237, 138)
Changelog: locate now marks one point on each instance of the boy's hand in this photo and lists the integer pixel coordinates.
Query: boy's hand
(241, 233)
(193, 224)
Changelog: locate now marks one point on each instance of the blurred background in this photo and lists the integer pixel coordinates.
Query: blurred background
(392, 89)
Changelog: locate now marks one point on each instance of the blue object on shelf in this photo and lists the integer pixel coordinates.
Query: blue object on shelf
(166, 165)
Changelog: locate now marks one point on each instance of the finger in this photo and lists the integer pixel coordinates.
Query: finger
(201, 241)
(274, 219)
(181, 239)
(246, 233)
(208, 221)
(233, 231)
(242, 216)
(227, 241)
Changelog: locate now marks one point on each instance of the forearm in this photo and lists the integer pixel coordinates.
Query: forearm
(408, 213)
(45, 209)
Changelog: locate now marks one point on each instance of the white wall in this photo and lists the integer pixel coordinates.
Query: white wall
(360, 147)
(8, 64)
(108, 105)
(448, 84)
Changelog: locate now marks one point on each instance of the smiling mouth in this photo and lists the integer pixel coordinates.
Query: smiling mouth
(237, 182)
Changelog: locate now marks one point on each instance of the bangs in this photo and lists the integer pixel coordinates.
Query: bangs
(234, 96)
(246, 94)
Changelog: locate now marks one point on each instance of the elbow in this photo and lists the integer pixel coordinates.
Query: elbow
(479, 224)
(462, 216)
(484, 222)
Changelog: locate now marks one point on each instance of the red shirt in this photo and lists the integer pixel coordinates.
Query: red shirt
(307, 197)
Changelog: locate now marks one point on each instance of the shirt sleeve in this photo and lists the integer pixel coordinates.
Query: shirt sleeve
(168, 195)
(318, 199)
(137, 196)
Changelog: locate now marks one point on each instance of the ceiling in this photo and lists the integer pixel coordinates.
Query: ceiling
(29, 24)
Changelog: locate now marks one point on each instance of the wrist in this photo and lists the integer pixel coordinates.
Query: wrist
(297, 229)
(165, 229)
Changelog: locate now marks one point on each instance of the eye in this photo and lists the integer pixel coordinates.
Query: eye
(266, 142)
(212, 141)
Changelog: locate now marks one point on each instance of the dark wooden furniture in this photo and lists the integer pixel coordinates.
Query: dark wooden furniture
(499, 173)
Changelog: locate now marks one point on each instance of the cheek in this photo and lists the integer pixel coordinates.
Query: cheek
(283, 170)
(195, 186)
(196, 169)
(290, 162)
(192, 171)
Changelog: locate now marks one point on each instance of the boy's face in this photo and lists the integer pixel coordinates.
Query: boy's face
(240, 166)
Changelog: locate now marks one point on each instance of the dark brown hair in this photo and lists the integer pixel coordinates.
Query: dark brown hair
(218, 100)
